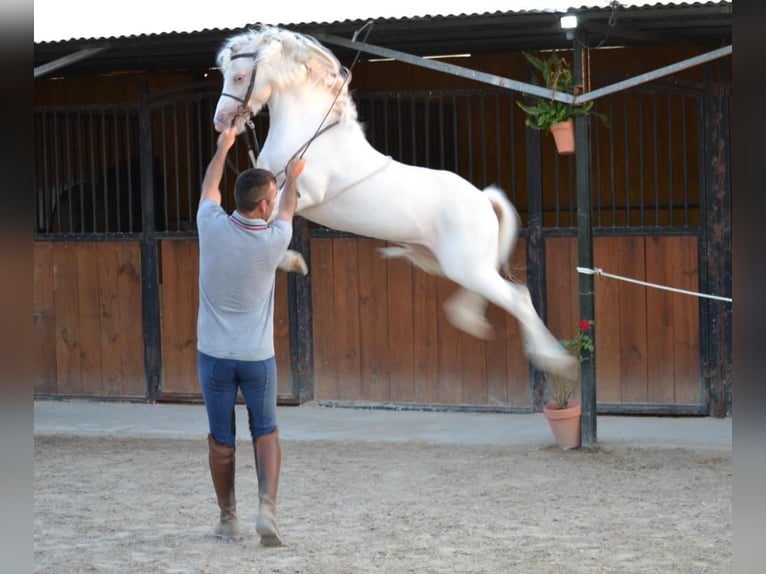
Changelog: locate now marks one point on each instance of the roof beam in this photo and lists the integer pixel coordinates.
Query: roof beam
(70, 59)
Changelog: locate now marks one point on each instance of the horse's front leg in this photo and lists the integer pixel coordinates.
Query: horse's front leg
(293, 261)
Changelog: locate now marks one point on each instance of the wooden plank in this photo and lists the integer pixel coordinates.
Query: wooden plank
(111, 320)
(323, 305)
(425, 314)
(448, 337)
(346, 320)
(632, 301)
(129, 300)
(401, 331)
(519, 391)
(282, 335)
(373, 322)
(608, 321)
(497, 351)
(473, 368)
(686, 344)
(44, 309)
(662, 266)
(562, 289)
(66, 301)
(89, 319)
(179, 295)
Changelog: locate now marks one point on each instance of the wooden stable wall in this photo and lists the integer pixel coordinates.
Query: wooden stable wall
(87, 319)
(647, 339)
(379, 331)
(381, 335)
(179, 298)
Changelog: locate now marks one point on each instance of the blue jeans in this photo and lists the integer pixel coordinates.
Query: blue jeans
(221, 378)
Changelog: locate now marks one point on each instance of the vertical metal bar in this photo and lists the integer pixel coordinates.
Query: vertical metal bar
(442, 158)
(482, 132)
(150, 278)
(597, 163)
(469, 138)
(413, 130)
(45, 180)
(655, 138)
(427, 131)
(92, 173)
(80, 172)
(612, 176)
(669, 106)
(164, 152)
(129, 156)
(118, 162)
(176, 168)
(69, 178)
(512, 136)
(498, 146)
(626, 164)
(456, 138)
(104, 163)
(386, 135)
(585, 243)
(684, 160)
(641, 185)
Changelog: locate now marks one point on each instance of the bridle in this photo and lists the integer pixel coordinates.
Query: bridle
(253, 146)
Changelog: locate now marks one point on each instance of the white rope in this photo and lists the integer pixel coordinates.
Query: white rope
(597, 271)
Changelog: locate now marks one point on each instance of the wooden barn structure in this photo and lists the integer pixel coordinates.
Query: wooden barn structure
(123, 132)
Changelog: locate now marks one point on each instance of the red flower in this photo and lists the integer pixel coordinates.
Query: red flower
(584, 325)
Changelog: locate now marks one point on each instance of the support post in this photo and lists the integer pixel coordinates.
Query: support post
(581, 71)
(150, 279)
(536, 280)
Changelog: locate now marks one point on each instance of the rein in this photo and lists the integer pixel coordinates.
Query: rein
(253, 146)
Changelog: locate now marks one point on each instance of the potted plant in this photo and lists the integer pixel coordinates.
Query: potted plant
(552, 115)
(562, 410)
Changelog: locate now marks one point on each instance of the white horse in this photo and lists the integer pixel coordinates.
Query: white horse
(436, 219)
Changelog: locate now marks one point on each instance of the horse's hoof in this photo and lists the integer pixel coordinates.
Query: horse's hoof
(561, 365)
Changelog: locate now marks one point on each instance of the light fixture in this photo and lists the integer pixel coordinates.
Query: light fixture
(569, 21)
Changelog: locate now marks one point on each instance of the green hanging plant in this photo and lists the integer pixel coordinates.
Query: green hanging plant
(546, 112)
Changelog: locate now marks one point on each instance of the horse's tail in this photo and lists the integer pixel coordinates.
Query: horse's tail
(509, 221)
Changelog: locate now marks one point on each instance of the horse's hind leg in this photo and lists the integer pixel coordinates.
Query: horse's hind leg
(542, 348)
(466, 310)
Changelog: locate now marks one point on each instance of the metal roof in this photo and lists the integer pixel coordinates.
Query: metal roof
(708, 25)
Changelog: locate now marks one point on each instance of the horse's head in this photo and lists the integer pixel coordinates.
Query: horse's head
(260, 62)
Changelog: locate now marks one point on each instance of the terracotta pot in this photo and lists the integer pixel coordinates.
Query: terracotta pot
(565, 423)
(563, 135)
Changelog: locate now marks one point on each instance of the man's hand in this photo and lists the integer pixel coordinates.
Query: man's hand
(290, 194)
(226, 139)
(295, 168)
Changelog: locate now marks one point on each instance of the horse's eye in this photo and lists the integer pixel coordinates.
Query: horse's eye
(239, 78)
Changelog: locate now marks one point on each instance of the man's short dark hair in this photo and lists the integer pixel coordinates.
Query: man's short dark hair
(251, 186)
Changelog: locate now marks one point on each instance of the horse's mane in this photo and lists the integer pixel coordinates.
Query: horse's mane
(290, 58)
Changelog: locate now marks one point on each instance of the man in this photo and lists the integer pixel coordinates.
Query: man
(238, 257)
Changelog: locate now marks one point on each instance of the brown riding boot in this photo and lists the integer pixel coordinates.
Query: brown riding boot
(268, 461)
(221, 460)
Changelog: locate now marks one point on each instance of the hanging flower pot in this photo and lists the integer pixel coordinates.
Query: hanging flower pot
(563, 135)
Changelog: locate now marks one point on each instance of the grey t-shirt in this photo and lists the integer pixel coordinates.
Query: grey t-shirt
(238, 258)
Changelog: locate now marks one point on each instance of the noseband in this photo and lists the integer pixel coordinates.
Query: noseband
(253, 147)
(244, 109)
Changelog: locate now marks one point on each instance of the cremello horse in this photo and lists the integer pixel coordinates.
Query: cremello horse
(436, 219)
